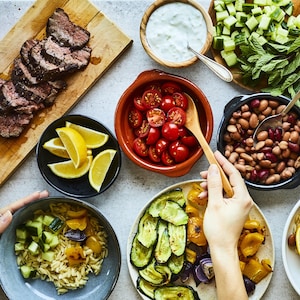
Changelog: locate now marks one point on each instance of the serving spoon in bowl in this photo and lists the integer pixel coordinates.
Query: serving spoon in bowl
(192, 123)
(274, 121)
(217, 68)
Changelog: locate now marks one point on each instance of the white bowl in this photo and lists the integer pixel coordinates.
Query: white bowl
(291, 260)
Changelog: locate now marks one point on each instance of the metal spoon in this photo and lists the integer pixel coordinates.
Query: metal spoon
(217, 68)
(192, 123)
(274, 121)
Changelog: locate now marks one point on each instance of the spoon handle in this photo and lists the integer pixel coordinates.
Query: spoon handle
(291, 103)
(217, 68)
(212, 160)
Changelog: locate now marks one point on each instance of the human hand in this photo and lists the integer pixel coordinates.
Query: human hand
(7, 211)
(224, 217)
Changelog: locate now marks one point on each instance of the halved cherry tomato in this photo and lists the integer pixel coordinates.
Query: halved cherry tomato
(140, 147)
(177, 116)
(143, 130)
(170, 131)
(153, 154)
(153, 86)
(167, 103)
(151, 98)
(156, 117)
(180, 100)
(153, 136)
(167, 159)
(135, 118)
(161, 145)
(137, 101)
(170, 87)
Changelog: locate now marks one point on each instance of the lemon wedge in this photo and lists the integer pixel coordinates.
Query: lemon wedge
(56, 147)
(297, 238)
(93, 139)
(66, 169)
(74, 144)
(99, 168)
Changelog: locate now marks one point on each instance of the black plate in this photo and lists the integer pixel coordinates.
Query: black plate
(79, 187)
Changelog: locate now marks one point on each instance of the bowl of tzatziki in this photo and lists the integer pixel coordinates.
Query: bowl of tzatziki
(168, 26)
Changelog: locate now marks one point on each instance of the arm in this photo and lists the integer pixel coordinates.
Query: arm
(7, 211)
(223, 222)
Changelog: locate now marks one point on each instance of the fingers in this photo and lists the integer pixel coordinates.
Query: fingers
(5, 220)
(214, 183)
(23, 201)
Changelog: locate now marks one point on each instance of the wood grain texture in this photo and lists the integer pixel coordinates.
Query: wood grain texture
(107, 41)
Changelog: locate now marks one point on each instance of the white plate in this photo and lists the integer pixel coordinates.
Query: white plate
(291, 260)
(208, 291)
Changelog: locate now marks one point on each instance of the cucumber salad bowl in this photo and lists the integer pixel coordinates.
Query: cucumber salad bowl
(258, 41)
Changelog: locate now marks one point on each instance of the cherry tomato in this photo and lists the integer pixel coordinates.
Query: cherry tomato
(183, 132)
(135, 118)
(153, 136)
(140, 147)
(180, 152)
(153, 154)
(167, 159)
(170, 131)
(156, 117)
(172, 147)
(167, 103)
(170, 87)
(161, 145)
(151, 98)
(137, 101)
(177, 116)
(180, 100)
(189, 140)
(143, 130)
(153, 86)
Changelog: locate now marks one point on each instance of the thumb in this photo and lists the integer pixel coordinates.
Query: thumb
(5, 220)
(214, 182)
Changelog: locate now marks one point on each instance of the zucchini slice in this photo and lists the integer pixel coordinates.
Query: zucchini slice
(176, 292)
(145, 287)
(147, 232)
(177, 236)
(140, 256)
(174, 213)
(176, 263)
(158, 204)
(156, 274)
(162, 250)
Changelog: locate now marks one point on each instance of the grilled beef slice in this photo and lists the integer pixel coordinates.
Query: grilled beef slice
(12, 125)
(66, 33)
(21, 73)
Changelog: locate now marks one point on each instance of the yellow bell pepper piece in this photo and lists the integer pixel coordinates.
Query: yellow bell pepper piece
(75, 255)
(251, 243)
(195, 233)
(78, 223)
(255, 271)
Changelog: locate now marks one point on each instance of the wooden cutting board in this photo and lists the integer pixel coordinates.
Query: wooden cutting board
(107, 41)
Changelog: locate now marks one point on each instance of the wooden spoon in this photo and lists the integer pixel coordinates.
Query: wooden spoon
(192, 123)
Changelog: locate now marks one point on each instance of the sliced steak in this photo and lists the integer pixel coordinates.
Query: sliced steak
(44, 92)
(70, 60)
(11, 100)
(65, 32)
(21, 73)
(12, 125)
(25, 50)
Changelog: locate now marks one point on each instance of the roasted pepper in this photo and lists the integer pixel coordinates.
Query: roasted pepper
(77, 223)
(94, 244)
(195, 233)
(252, 225)
(192, 211)
(251, 243)
(193, 195)
(75, 255)
(255, 270)
(77, 214)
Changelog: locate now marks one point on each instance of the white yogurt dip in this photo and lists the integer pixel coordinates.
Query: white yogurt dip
(171, 26)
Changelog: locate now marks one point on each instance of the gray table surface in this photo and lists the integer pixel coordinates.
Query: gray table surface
(135, 186)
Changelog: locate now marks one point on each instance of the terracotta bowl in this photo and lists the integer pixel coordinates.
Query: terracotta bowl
(125, 134)
(182, 36)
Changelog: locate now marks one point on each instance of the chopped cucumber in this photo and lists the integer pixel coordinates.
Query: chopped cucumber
(34, 248)
(49, 255)
(27, 271)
